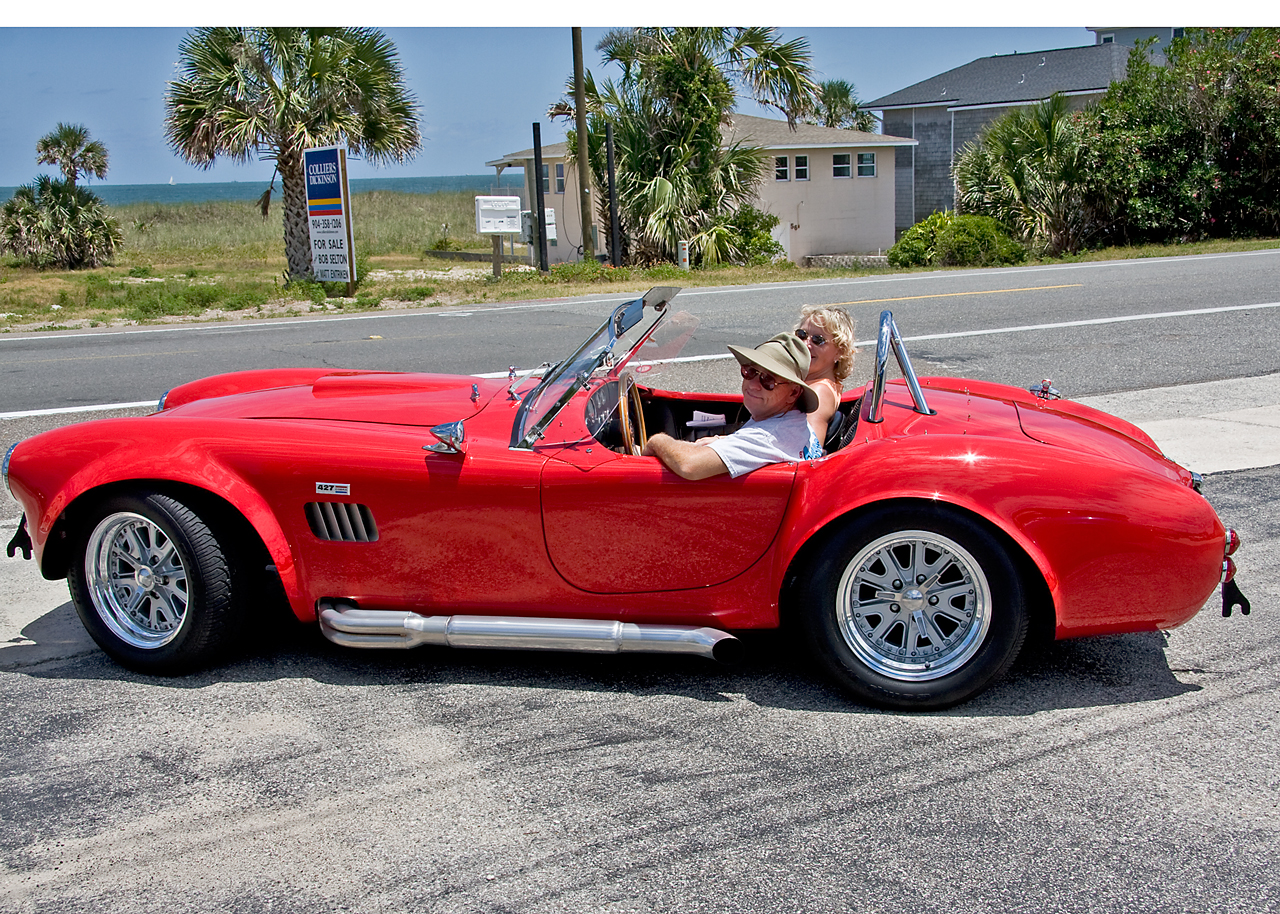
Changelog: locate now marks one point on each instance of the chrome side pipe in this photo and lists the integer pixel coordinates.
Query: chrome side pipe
(350, 626)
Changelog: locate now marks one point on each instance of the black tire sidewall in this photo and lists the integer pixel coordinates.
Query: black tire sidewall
(817, 595)
(203, 631)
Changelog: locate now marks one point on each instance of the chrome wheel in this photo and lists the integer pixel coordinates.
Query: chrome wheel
(913, 606)
(136, 580)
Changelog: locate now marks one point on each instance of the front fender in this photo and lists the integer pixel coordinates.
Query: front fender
(56, 473)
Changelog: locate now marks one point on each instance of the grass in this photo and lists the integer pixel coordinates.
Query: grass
(221, 260)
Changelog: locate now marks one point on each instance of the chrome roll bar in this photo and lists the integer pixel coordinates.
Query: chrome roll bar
(890, 337)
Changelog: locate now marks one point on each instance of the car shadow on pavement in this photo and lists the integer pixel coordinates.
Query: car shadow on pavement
(774, 672)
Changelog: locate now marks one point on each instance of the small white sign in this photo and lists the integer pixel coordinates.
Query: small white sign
(333, 488)
(498, 215)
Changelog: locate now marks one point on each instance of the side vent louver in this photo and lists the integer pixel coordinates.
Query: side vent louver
(337, 520)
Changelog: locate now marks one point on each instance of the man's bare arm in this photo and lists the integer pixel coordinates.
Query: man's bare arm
(691, 461)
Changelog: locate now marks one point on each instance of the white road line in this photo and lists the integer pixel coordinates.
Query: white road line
(1091, 322)
(861, 344)
(63, 410)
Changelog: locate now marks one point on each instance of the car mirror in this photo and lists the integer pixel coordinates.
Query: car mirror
(449, 438)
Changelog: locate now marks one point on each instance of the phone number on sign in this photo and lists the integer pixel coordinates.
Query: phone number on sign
(321, 223)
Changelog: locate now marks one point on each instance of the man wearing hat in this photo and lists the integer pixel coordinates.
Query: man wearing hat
(774, 392)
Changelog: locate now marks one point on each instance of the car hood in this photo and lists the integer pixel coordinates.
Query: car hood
(395, 398)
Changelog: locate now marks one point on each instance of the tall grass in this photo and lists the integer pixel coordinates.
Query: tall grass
(385, 223)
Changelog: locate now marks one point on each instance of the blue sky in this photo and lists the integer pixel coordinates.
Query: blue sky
(480, 89)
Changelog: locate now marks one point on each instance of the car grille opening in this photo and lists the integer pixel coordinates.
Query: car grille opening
(338, 520)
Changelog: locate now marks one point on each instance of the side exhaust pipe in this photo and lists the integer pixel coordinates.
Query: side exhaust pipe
(350, 626)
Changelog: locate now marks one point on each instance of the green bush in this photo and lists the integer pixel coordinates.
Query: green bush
(752, 235)
(945, 239)
(663, 271)
(55, 223)
(975, 241)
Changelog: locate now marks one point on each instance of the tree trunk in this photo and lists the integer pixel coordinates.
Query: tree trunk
(297, 237)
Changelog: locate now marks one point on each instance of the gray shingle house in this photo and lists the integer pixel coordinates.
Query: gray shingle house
(945, 112)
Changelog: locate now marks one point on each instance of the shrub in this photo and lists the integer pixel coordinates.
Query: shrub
(975, 241)
(946, 239)
(577, 271)
(915, 248)
(752, 235)
(54, 223)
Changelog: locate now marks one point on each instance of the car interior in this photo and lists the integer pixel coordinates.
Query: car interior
(691, 419)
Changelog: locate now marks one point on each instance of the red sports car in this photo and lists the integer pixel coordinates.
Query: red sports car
(947, 519)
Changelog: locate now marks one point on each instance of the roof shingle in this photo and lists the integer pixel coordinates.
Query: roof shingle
(1015, 78)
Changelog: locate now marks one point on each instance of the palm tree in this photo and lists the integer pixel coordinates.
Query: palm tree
(1027, 170)
(838, 105)
(70, 148)
(676, 178)
(273, 92)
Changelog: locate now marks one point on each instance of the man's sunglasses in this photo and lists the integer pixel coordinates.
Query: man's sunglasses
(767, 381)
(818, 338)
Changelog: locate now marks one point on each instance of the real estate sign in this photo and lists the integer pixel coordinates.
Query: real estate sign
(329, 215)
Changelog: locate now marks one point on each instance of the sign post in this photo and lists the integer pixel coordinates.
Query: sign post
(497, 216)
(329, 216)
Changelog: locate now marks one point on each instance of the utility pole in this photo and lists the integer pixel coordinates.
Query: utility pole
(615, 249)
(539, 201)
(584, 163)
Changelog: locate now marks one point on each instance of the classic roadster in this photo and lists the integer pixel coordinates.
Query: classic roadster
(947, 519)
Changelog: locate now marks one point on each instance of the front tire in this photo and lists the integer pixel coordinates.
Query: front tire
(153, 585)
(913, 608)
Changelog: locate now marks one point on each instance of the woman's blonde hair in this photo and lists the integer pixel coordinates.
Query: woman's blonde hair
(839, 326)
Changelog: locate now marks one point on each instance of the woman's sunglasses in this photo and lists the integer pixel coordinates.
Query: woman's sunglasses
(767, 381)
(817, 338)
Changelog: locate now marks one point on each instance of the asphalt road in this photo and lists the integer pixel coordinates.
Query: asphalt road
(1151, 323)
(1128, 773)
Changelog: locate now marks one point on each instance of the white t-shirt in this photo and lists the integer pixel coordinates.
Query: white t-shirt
(775, 440)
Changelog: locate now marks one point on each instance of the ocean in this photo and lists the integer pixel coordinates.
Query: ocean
(511, 184)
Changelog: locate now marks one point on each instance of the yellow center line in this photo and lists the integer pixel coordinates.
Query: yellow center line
(94, 358)
(876, 301)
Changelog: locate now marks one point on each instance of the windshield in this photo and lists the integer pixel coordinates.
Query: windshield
(610, 348)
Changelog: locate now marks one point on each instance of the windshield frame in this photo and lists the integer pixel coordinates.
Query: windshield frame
(567, 378)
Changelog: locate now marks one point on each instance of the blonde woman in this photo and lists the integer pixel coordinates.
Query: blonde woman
(828, 332)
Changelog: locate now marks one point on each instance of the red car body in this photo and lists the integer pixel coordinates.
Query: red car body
(1108, 534)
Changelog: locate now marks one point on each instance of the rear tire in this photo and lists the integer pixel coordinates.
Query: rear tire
(153, 585)
(913, 608)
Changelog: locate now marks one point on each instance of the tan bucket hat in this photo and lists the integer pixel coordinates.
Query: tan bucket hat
(786, 357)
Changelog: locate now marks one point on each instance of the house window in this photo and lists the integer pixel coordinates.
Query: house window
(802, 168)
(840, 165)
(866, 165)
(1107, 38)
(780, 171)
(546, 179)
(1179, 33)
(560, 177)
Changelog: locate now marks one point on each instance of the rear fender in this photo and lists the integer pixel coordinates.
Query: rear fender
(1083, 521)
(832, 492)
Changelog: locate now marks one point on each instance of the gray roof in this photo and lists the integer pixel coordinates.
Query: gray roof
(755, 131)
(774, 134)
(1016, 78)
(517, 159)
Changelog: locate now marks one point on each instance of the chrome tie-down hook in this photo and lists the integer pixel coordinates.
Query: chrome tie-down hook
(1045, 390)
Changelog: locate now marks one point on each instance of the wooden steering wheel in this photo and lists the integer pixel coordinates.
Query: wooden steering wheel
(633, 441)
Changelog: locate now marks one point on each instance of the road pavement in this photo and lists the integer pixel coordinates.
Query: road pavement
(1127, 773)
